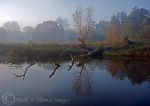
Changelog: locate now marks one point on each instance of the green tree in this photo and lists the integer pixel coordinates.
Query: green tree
(137, 23)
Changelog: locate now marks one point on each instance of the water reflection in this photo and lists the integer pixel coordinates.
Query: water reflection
(136, 71)
(24, 74)
(83, 80)
(83, 69)
(57, 66)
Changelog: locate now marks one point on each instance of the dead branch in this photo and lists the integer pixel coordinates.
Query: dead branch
(126, 39)
(57, 66)
(23, 75)
(94, 53)
(73, 61)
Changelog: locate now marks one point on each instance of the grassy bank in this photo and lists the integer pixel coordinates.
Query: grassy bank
(36, 52)
(141, 50)
(43, 51)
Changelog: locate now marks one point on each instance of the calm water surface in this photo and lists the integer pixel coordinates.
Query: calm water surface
(96, 82)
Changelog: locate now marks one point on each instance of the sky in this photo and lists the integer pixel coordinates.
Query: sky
(32, 12)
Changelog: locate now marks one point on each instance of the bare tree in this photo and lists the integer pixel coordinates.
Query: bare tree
(115, 31)
(115, 36)
(83, 21)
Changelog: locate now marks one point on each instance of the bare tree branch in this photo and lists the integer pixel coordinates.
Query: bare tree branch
(57, 66)
(73, 61)
(23, 75)
(83, 20)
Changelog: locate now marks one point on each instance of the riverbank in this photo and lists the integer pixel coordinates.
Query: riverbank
(65, 50)
(139, 51)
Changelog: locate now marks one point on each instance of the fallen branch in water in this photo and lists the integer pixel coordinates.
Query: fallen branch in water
(57, 66)
(73, 61)
(23, 75)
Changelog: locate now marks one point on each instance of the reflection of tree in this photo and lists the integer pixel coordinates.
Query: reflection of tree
(83, 83)
(116, 69)
(139, 72)
(16, 66)
(136, 71)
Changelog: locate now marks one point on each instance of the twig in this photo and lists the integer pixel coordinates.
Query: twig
(57, 66)
(23, 75)
(73, 61)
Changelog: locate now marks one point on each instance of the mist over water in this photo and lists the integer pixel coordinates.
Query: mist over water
(123, 80)
(74, 52)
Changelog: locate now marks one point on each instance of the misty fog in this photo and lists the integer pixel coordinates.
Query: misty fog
(47, 31)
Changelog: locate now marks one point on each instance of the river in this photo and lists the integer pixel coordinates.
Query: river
(93, 82)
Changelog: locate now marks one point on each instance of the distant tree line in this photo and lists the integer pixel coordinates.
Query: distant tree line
(136, 25)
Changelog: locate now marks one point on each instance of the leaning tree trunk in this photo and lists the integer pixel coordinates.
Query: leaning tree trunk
(90, 52)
